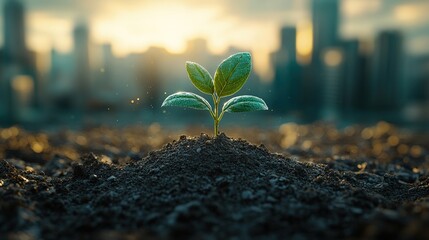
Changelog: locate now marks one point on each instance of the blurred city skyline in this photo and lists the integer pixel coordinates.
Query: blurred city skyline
(129, 25)
(315, 68)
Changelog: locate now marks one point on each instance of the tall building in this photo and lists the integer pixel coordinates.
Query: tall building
(104, 94)
(418, 89)
(385, 89)
(288, 42)
(150, 77)
(286, 84)
(82, 65)
(343, 76)
(332, 73)
(353, 76)
(325, 21)
(107, 67)
(15, 49)
(19, 91)
(426, 105)
(60, 88)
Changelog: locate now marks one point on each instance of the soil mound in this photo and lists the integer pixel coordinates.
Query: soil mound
(218, 188)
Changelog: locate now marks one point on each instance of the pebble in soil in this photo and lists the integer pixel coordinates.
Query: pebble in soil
(205, 188)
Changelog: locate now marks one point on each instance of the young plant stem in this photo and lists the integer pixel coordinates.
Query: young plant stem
(216, 119)
(216, 125)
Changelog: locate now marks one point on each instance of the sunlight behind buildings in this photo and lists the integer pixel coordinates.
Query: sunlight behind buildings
(49, 32)
(304, 42)
(154, 25)
(409, 13)
(355, 8)
(135, 29)
(172, 26)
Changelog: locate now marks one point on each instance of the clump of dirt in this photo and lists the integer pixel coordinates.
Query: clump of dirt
(211, 188)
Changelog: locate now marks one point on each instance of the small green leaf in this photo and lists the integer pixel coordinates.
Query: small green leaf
(186, 99)
(232, 73)
(244, 103)
(200, 77)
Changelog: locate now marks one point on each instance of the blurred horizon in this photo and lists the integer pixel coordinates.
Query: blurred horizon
(346, 61)
(129, 25)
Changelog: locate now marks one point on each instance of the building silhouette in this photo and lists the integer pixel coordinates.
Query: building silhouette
(15, 48)
(325, 21)
(60, 88)
(386, 87)
(103, 87)
(19, 83)
(150, 77)
(82, 76)
(287, 84)
(351, 77)
(332, 74)
(419, 85)
(342, 78)
(107, 62)
(341, 81)
(417, 97)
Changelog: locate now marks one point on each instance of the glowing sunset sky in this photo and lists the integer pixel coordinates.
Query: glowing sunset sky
(134, 25)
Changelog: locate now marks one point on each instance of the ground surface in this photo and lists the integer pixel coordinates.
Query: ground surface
(305, 182)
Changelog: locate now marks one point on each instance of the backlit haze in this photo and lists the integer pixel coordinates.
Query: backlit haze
(135, 25)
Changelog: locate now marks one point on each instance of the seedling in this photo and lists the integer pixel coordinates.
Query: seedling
(229, 78)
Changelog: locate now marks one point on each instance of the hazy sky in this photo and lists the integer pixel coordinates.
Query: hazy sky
(134, 25)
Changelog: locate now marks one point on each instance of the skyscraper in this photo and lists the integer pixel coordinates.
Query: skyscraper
(82, 65)
(332, 74)
(342, 77)
(18, 74)
(107, 67)
(353, 77)
(60, 88)
(286, 84)
(325, 21)
(385, 89)
(151, 78)
(288, 42)
(418, 88)
(15, 49)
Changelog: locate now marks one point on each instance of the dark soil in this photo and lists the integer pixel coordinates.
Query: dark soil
(205, 188)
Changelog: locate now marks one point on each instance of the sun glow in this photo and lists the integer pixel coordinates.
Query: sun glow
(304, 42)
(156, 25)
(356, 8)
(47, 31)
(409, 13)
(137, 27)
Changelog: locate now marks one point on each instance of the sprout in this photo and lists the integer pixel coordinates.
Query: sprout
(229, 78)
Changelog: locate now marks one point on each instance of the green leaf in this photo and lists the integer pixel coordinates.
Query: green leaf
(186, 99)
(200, 77)
(244, 103)
(232, 73)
